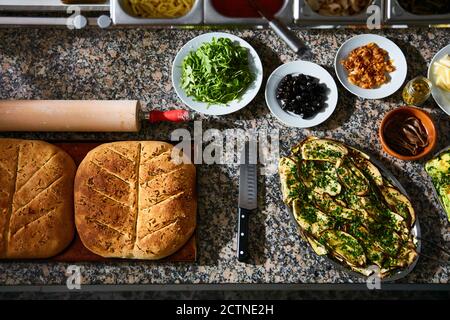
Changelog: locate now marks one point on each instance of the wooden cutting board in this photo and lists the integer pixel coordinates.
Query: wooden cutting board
(77, 252)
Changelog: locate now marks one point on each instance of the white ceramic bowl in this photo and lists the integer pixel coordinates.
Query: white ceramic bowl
(235, 105)
(441, 97)
(395, 54)
(306, 68)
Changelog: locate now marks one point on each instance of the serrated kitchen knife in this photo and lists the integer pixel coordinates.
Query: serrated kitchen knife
(248, 194)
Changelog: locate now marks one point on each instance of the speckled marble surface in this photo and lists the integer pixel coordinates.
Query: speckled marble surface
(136, 64)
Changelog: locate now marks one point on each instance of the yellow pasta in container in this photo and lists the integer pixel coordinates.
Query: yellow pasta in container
(159, 8)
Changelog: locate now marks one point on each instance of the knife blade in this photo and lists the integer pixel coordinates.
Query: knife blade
(280, 29)
(248, 195)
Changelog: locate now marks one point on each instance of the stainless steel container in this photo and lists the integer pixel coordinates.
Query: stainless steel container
(52, 13)
(47, 5)
(213, 17)
(395, 15)
(121, 16)
(305, 16)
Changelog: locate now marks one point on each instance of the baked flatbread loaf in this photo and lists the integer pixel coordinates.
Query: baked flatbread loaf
(133, 201)
(36, 199)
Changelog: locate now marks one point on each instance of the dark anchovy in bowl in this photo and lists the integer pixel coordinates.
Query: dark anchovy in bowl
(407, 135)
(415, 133)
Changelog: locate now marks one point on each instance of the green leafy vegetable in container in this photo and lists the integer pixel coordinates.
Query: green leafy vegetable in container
(217, 73)
(438, 169)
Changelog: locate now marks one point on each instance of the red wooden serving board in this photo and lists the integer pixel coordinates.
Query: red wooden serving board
(77, 252)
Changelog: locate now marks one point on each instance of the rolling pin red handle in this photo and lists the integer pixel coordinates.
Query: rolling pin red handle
(156, 116)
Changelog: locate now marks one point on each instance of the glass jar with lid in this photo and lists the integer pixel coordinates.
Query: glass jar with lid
(417, 91)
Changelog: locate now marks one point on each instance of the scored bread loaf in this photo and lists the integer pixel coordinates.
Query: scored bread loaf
(133, 201)
(36, 199)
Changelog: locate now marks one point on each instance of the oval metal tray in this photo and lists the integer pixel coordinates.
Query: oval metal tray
(415, 230)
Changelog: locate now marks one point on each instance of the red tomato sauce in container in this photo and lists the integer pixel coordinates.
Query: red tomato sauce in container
(242, 9)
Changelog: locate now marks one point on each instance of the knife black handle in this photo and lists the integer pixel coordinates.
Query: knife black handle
(242, 235)
(288, 36)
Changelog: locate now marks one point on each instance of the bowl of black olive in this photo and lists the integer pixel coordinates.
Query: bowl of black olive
(301, 94)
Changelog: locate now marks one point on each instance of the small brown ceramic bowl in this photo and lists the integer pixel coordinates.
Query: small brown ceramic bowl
(427, 123)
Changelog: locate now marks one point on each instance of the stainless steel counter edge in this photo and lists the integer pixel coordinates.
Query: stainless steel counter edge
(48, 5)
(229, 287)
(295, 13)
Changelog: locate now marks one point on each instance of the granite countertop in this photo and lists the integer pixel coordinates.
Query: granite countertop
(136, 64)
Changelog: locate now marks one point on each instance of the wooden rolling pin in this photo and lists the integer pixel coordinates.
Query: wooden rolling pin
(80, 115)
